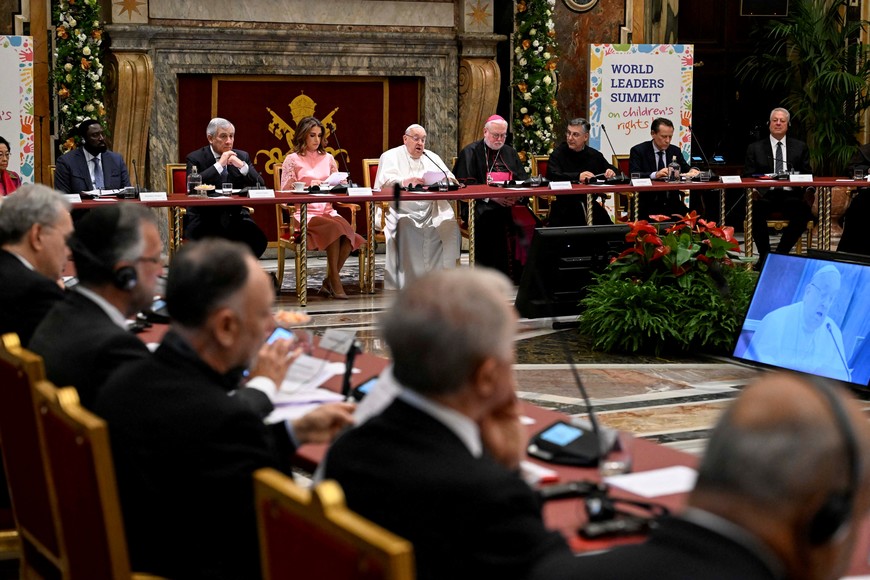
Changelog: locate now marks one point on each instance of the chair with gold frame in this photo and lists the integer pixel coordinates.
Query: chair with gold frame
(78, 457)
(541, 203)
(289, 232)
(370, 173)
(312, 534)
(776, 223)
(622, 201)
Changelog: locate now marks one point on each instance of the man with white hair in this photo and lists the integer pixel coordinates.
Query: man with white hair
(503, 225)
(802, 336)
(420, 235)
(219, 163)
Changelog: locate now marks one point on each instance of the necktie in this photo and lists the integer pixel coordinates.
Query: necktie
(778, 167)
(224, 172)
(98, 173)
(661, 155)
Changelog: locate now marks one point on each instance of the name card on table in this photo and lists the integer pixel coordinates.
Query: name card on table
(732, 179)
(800, 177)
(152, 196)
(73, 197)
(359, 190)
(261, 193)
(337, 340)
(560, 185)
(641, 181)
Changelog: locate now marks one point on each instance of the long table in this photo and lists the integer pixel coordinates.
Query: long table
(470, 195)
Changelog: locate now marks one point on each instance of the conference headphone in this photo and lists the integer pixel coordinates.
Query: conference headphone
(836, 511)
(122, 277)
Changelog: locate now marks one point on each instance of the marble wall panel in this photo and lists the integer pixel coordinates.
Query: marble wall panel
(439, 13)
(187, 50)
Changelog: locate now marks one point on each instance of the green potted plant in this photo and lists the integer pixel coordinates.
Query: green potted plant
(675, 289)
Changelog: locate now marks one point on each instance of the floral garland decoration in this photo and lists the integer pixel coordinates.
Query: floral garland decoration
(534, 79)
(78, 70)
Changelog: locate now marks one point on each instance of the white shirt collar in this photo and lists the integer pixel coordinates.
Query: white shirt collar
(461, 425)
(89, 157)
(113, 313)
(774, 141)
(23, 260)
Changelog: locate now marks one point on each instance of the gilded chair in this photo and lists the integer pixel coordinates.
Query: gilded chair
(777, 224)
(289, 233)
(78, 457)
(541, 203)
(312, 534)
(370, 173)
(51, 170)
(176, 182)
(21, 440)
(622, 201)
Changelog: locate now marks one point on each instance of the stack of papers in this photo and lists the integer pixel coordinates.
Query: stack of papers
(300, 391)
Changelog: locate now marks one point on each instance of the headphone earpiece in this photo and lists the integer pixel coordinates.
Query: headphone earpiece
(831, 518)
(125, 277)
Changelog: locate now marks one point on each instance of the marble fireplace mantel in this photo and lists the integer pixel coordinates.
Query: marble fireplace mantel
(433, 55)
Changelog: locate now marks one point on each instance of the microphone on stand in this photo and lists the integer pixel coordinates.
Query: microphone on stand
(837, 346)
(354, 349)
(332, 128)
(713, 176)
(397, 196)
(441, 169)
(136, 175)
(621, 178)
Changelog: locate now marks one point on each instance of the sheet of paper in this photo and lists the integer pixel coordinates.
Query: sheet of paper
(336, 178)
(289, 406)
(102, 192)
(337, 340)
(307, 373)
(656, 482)
(433, 177)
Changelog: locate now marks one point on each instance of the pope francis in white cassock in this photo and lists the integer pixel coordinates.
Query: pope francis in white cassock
(422, 235)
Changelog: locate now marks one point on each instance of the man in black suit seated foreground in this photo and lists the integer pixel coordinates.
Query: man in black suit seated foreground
(651, 159)
(34, 226)
(854, 240)
(186, 437)
(219, 163)
(440, 465)
(782, 490)
(779, 154)
(116, 250)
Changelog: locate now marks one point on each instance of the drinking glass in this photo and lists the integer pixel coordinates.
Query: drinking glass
(227, 188)
(858, 173)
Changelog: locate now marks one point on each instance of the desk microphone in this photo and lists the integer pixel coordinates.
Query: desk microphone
(136, 175)
(332, 128)
(713, 176)
(612, 150)
(348, 368)
(397, 196)
(441, 169)
(837, 346)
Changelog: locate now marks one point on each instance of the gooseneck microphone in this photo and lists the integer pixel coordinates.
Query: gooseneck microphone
(441, 169)
(839, 352)
(612, 150)
(701, 149)
(332, 128)
(136, 175)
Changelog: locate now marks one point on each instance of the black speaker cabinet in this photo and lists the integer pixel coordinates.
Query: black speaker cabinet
(763, 7)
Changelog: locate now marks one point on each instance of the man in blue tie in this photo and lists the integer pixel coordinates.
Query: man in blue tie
(91, 165)
(219, 163)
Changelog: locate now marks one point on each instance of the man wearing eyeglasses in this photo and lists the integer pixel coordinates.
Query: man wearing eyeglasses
(802, 336)
(117, 253)
(503, 225)
(420, 235)
(574, 161)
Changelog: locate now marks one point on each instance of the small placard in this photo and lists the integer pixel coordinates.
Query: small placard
(800, 177)
(73, 197)
(732, 179)
(152, 196)
(337, 340)
(359, 190)
(642, 181)
(560, 185)
(261, 193)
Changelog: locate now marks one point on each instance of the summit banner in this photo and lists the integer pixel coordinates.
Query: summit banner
(632, 84)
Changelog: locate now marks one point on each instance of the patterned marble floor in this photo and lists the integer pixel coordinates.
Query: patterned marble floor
(672, 401)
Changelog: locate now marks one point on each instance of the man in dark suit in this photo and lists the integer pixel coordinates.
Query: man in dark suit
(439, 466)
(84, 338)
(780, 155)
(651, 159)
(781, 493)
(853, 239)
(503, 226)
(219, 163)
(34, 226)
(91, 165)
(574, 160)
(186, 437)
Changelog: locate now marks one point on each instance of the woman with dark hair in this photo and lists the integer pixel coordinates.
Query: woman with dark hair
(9, 180)
(311, 164)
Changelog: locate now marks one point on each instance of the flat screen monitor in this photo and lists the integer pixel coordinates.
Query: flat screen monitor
(811, 315)
(560, 265)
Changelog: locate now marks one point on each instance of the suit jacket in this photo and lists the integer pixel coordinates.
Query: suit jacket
(643, 159)
(204, 162)
(72, 174)
(759, 157)
(185, 446)
(82, 346)
(676, 550)
(567, 165)
(467, 517)
(26, 295)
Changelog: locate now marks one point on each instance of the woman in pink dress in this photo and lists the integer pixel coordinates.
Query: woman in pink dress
(9, 180)
(327, 230)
